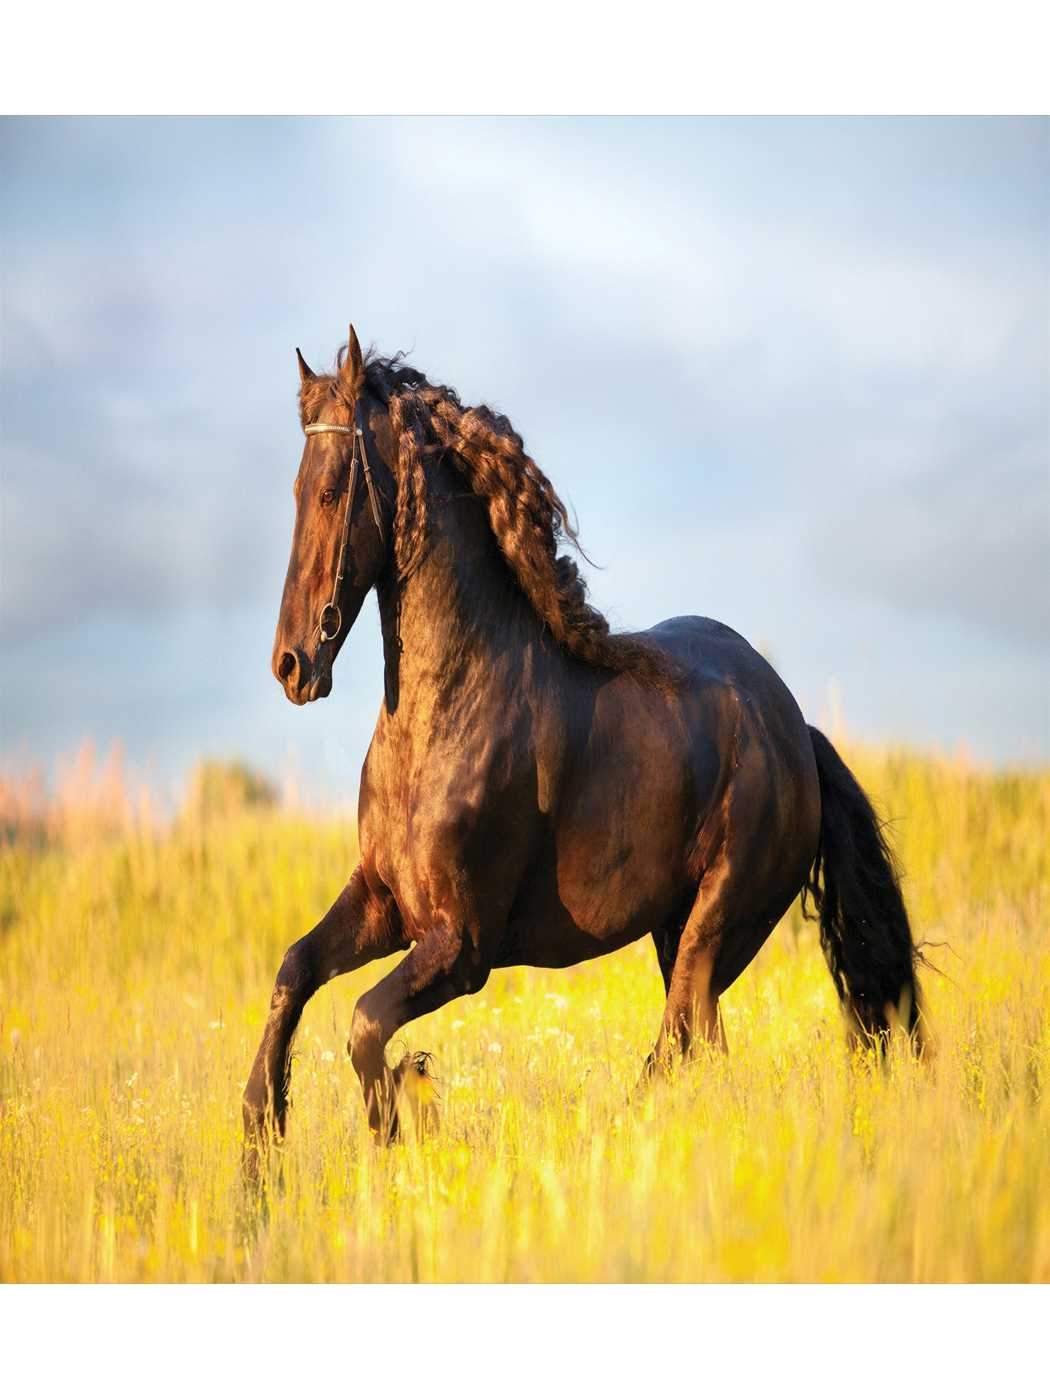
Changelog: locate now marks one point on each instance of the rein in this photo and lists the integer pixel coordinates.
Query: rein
(330, 622)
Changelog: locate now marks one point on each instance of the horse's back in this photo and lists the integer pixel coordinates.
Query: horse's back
(733, 698)
(724, 668)
(709, 649)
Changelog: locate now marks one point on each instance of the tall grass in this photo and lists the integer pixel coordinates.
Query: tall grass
(136, 960)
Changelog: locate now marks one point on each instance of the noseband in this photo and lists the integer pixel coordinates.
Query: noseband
(330, 621)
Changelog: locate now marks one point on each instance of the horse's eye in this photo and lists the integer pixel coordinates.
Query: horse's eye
(327, 497)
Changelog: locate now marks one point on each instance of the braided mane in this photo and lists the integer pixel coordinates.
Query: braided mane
(526, 515)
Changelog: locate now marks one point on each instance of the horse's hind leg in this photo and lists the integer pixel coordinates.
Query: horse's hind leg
(721, 936)
(691, 1015)
(357, 929)
(666, 940)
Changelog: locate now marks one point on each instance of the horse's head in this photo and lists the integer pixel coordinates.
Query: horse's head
(342, 528)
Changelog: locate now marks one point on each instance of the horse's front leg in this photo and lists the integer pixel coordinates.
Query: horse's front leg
(443, 965)
(358, 928)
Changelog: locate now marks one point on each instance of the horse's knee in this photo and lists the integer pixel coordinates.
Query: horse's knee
(297, 974)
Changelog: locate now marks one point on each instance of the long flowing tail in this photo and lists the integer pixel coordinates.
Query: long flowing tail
(855, 889)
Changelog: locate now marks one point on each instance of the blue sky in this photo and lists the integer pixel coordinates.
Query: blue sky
(791, 374)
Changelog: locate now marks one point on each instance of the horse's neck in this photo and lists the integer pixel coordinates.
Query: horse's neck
(461, 618)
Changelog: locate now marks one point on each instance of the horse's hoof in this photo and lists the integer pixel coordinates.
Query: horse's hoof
(410, 1101)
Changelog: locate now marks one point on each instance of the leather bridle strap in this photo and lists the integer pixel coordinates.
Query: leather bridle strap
(373, 495)
(331, 620)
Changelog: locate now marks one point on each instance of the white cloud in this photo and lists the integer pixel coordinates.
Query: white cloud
(824, 387)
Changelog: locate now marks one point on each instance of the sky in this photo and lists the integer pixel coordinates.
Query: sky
(792, 374)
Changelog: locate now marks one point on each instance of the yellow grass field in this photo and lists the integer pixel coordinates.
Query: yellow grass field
(135, 968)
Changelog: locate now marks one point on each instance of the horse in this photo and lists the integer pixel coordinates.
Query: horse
(540, 790)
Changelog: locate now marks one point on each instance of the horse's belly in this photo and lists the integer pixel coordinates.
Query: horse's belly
(596, 897)
(542, 934)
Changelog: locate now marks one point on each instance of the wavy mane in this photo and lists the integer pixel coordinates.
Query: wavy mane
(526, 515)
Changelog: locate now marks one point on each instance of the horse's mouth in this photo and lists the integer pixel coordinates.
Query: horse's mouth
(315, 688)
(320, 686)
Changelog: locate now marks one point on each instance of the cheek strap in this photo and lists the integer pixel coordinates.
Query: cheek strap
(330, 622)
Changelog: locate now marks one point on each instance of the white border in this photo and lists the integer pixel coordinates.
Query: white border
(523, 1342)
(468, 58)
(551, 56)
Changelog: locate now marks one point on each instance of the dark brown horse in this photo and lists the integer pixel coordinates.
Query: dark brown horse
(539, 791)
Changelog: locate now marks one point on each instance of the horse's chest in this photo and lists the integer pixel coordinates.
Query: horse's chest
(447, 831)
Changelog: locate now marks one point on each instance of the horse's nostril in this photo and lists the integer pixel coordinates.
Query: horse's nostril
(287, 665)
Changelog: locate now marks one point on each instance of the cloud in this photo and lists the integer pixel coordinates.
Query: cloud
(814, 354)
(970, 542)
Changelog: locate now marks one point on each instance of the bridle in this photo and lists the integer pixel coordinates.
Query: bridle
(330, 622)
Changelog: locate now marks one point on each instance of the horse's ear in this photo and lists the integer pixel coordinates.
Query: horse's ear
(305, 372)
(353, 370)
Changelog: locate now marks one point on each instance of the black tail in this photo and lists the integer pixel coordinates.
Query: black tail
(864, 928)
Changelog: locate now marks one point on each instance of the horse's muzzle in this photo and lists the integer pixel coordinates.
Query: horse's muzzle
(301, 680)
